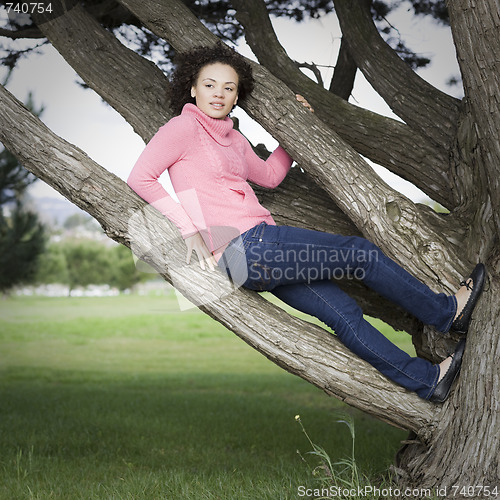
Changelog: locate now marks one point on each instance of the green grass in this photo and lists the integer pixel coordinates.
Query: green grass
(128, 398)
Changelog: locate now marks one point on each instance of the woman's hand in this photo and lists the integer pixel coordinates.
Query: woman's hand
(304, 102)
(205, 257)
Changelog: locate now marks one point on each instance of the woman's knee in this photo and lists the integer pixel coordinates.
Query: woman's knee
(367, 252)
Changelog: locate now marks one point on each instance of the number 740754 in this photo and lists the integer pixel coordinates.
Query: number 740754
(28, 7)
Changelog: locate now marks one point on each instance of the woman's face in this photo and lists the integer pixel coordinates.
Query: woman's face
(216, 90)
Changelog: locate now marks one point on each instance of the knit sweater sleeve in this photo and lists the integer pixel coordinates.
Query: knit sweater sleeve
(268, 173)
(166, 148)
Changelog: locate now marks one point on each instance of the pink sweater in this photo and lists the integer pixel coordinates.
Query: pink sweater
(209, 165)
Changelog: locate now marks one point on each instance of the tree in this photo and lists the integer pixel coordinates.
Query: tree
(53, 267)
(87, 263)
(123, 272)
(83, 262)
(448, 148)
(79, 220)
(22, 236)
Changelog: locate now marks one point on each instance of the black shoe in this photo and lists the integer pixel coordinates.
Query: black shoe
(443, 387)
(461, 324)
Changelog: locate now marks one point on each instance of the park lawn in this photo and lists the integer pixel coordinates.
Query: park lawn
(129, 398)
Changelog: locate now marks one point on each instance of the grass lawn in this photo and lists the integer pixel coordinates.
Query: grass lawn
(129, 398)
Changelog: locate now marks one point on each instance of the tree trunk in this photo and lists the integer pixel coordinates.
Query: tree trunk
(465, 447)
(464, 454)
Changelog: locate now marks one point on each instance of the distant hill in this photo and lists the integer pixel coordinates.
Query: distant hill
(53, 211)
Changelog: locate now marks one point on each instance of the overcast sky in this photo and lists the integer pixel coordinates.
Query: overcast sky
(80, 116)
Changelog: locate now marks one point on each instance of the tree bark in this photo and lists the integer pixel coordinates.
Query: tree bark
(131, 84)
(425, 109)
(345, 72)
(475, 27)
(464, 451)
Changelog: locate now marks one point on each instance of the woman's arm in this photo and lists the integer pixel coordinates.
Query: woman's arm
(165, 148)
(270, 173)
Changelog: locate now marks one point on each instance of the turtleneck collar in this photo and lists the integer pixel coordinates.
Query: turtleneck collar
(218, 129)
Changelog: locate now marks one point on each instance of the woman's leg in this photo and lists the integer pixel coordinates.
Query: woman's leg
(283, 255)
(297, 266)
(326, 301)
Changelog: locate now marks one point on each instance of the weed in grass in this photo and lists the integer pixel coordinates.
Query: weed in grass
(23, 465)
(342, 477)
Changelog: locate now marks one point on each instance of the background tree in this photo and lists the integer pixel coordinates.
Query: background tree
(80, 221)
(52, 267)
(22, 236)
(123, 271)
(446, 147)
(87, 263)
(79, 262)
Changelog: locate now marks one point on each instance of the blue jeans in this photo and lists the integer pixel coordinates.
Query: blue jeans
(297, 265)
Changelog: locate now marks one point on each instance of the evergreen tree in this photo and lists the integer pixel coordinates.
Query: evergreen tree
(22, 236)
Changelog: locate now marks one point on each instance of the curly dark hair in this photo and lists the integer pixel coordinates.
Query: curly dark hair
(189, 65)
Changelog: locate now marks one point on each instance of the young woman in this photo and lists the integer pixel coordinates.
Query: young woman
(220, 218)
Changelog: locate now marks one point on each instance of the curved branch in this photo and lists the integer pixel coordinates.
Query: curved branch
(128, 82)
(313, 68)
(424, 108)
(409, 153)
(300, 347)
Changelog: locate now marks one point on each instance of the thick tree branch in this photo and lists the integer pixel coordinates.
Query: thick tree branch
(300, 347)
(475, 28)
(345, 72)
(427, 110)
(115, 72)
(409, 153)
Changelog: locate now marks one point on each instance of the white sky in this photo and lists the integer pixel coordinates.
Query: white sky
(82, 118)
